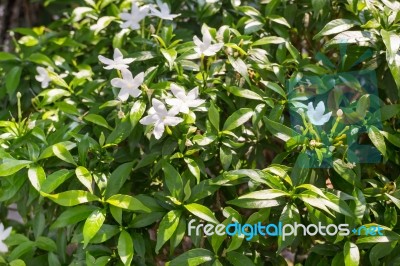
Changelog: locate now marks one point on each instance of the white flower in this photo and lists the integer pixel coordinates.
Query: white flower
(164, 12)
(119, 61)
(160, 117)
(128, 84)
(184, 101)
(3, 235)
(317, 116)
(205, 47)
(132, 20)
(43, 77)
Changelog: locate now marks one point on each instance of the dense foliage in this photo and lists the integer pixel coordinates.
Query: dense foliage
(119, 128)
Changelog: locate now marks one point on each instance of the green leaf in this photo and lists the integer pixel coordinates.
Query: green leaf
(129, 203)
(118, 178)
(92, 225)
(240, 67)
(173, 180)
(238, 118)
(137, 112)
(202, 212)
(269, 40)
(389, 111)
(4, 56)
(102, 23)
(106, 232)
(62, 153)
(314, 201)
(167, 227)
(336, 26)
(300, 169)
(193, 168)
(265, 194)
(388, 237)
(225, 155)
(54, 180)
(17, 262)
(11, 166)
(279, 20)
(45, 243)
(179, 233)
(377, 139)
(58, 80)
(125, 248)
(244, 93)
(274, 87)
(192, 257)
(170, 55)
(290, 215)
(13, 77)
(71, 197)
(21, 249)
(73, 215)
(279, 130)
(396, 201)
(351, 254)
(213, 116)
(121, 132)
(346, 173)
(392, 43)
(36, 176)
(98, 120)
(238, 259)
(255, 203)
(84, 177)
(41, 59)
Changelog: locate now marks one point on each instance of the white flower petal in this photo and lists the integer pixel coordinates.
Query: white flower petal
(194, 93)
(127, 75)
(117, 82)
(172, 121)
(320, 109)
(6, 233)
(123, 94)
(138, 80)
(3, 247)
(158, 130)
(325, 118)
(197, 41)
(184, 109)
(117, 54)
(148, 120)
(105, 60)
(177, 90)
(158, 106)
(173, 101)
(195, 103)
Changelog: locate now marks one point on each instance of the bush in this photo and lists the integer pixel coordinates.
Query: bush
(126, 125)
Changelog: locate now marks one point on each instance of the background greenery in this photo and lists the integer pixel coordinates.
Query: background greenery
(93, 187)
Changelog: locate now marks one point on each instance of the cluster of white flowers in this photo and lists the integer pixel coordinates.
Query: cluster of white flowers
(132, 20)
(179, 101)
(128, 84)
(158, 115)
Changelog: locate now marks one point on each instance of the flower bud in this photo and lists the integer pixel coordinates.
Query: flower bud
(121, 114)
(339, 113)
